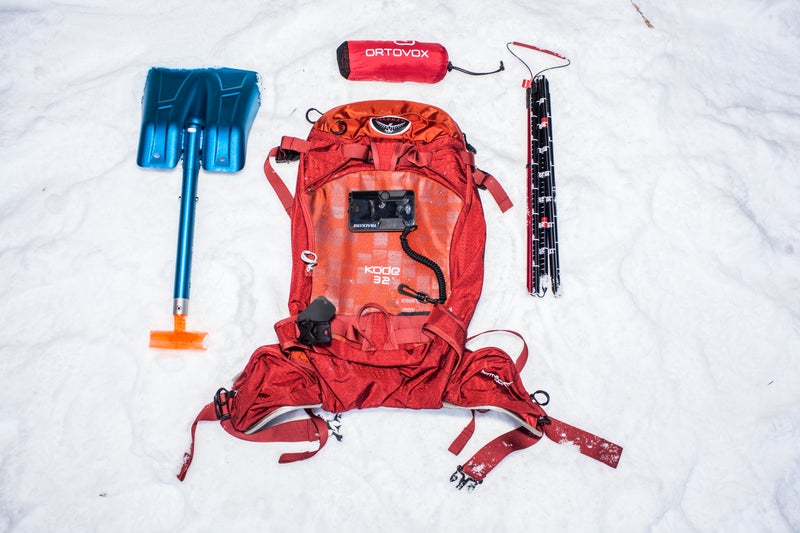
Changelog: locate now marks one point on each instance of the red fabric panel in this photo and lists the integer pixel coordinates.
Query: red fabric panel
(360, 268)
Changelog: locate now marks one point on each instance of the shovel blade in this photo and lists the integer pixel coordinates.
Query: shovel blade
(223, 102)
(178, 338)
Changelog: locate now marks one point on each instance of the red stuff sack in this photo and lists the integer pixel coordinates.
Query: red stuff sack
(396, 61)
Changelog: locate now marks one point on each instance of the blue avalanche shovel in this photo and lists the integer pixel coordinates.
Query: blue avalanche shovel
(204, 117)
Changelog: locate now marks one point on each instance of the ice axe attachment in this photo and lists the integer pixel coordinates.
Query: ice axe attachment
(203, 116)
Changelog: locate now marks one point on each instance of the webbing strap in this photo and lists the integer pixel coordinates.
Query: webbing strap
(463, 438)
(280, 188)
(359, 152)
(206, 413)
(294, 144)
(306, 430)
(313, 428)
(488, 457)
(413, 156)
(480, 464)
(457, 446)
(590, 445)
(485, 180)
(401, 154)
(289, 150)
(444, 324)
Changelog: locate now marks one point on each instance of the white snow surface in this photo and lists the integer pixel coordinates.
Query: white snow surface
(677, 335)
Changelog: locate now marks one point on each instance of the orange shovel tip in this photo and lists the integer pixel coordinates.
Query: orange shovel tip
(179, 338)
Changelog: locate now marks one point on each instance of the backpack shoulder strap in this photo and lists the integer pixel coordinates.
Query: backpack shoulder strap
(290, 149)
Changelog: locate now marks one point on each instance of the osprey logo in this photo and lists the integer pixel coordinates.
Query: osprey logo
(390, 125)
(497, 379)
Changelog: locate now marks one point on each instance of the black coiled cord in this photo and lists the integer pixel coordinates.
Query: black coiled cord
(419, 258)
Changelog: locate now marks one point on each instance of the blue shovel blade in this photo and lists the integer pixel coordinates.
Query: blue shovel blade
(223, 102)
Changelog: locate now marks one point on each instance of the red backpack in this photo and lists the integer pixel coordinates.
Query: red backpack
(388, 237)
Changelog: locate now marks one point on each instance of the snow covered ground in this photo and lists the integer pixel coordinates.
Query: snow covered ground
(677, 336)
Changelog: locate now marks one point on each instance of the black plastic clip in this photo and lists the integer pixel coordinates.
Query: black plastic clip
(221, 403)
(461, 479)
(314, 322)
(422, 297)
(285, 155)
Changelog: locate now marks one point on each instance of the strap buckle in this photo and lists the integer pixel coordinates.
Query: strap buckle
(221, 399)
(285, 155)
(462, 479)
(314, 323)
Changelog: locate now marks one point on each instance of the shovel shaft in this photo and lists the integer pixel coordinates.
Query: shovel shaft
(183, 261)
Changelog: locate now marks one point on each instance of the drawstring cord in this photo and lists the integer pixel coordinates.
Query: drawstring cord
(451, 66)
